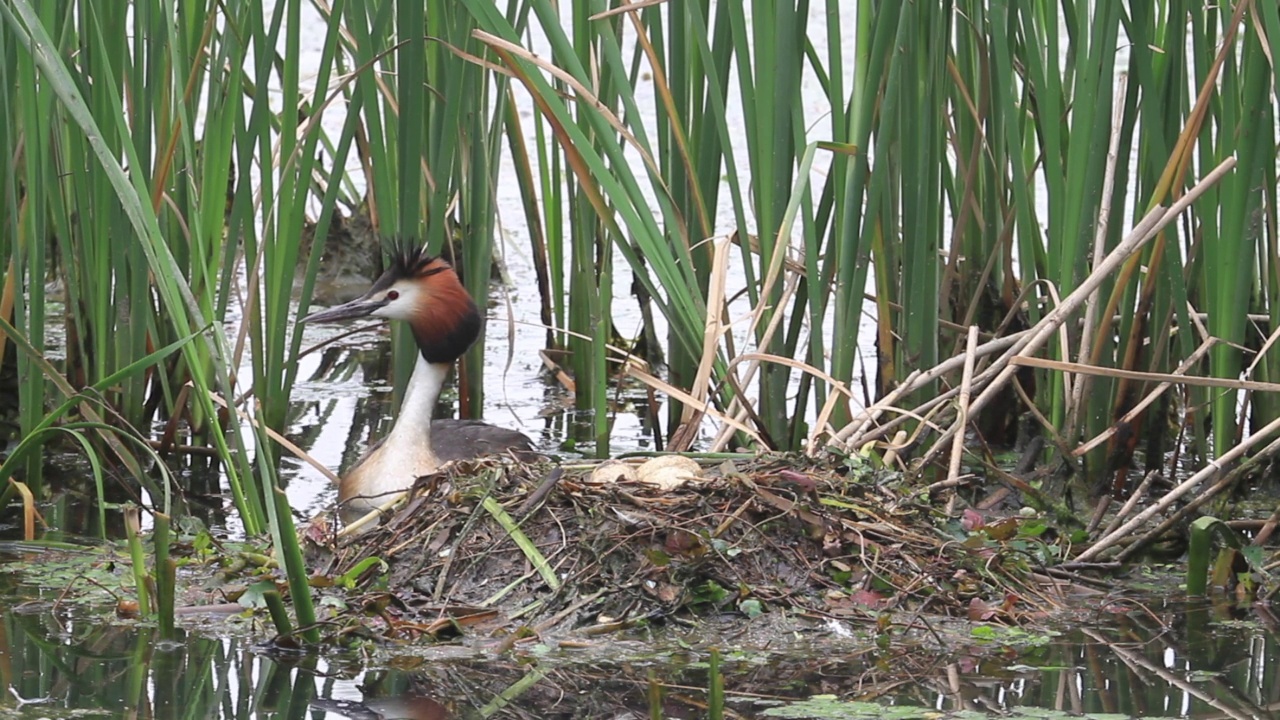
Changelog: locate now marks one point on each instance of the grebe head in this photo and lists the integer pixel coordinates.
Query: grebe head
(425, 292)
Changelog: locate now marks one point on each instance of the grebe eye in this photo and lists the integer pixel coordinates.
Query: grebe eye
(393, 295)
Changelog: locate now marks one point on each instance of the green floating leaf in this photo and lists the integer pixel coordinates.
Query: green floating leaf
(658, 557)
(710, 592)
(255, 596)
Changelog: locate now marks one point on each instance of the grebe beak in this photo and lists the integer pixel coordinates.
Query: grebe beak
(360, 307)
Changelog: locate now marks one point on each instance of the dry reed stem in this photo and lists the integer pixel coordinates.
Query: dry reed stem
(684, 397)
(756, 359)
(1151, 224)
(1197, 502)
(1181, 379)
(712, 331)
(737, 406)
(1131, 503)
(359, 525)
(856, 429)
(1149, 398)
(962, 407)
(1262, 352)
(284, 441)
(1064, 340)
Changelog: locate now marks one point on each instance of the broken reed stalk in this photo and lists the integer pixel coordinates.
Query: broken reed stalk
(755, 359)
(1033, 339)
(859, 429)
(917, 380)
(1212, 468)
(1147, 228)
(1149, 398)
(962, 407)
(1129, 504)
(738, 406)
(682, 439)
(1208, 494)
(1268, 527)
(1142, 376)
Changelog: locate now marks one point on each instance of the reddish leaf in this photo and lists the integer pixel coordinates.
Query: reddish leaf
(971, 519)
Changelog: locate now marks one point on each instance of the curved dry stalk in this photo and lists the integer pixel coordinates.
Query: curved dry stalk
(711, 333)
(703, 406)
(756, 358)
(284, 442)
(737, 407)
(962, 407)
(1131, 503)
(1209, 493)
(1143, 376)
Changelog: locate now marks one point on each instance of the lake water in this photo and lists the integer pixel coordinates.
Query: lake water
(1137, 657)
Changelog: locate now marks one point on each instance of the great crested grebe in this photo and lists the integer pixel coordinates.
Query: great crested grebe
(425, 292)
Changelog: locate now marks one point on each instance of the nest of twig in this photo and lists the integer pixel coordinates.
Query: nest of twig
(577, 550)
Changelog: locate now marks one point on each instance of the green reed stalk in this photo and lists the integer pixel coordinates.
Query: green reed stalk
(166, 577)
(590, 259)
(287, 189)
(24, 245)
(715, 687)
(295, 567)
(604, 179)
(1230, 270)
(138, 558)
(110, 203)
(874, 33)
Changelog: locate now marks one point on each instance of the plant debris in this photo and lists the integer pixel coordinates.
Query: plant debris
(525, 550)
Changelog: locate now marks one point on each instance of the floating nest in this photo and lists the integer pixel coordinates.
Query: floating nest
(525, 550)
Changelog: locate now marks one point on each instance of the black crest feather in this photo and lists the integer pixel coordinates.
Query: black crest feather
(409, 257)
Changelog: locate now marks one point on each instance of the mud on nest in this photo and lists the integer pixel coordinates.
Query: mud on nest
(571, 550)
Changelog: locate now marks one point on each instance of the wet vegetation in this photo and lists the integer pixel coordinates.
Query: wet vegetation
(57, 656)
(954, 308)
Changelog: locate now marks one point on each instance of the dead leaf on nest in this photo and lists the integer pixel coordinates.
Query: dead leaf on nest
(668, 472)
(633, 519)
(666, 593)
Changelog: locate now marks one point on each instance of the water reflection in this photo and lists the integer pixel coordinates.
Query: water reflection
(1200, 661)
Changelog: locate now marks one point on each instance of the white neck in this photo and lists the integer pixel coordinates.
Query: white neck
(413, 424)
(406, 453)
